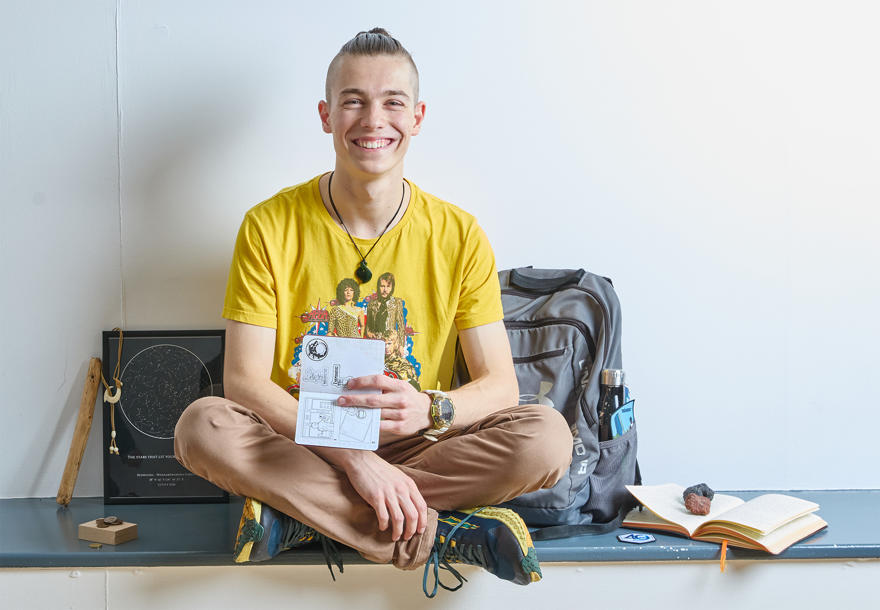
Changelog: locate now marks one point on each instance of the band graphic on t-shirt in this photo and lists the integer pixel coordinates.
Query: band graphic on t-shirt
(380, 315)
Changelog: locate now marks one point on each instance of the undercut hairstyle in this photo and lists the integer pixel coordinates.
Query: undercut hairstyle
(375, 42)
(340, 290)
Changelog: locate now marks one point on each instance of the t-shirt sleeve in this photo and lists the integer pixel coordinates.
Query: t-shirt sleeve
(480, 299)
(250, 289)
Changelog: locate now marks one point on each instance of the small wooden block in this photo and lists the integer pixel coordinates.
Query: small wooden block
(112, 534)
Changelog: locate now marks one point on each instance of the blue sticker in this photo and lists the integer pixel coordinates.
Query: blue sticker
(622, 419)
(634, 538)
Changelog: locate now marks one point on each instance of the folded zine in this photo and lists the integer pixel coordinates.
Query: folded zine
(327, 364)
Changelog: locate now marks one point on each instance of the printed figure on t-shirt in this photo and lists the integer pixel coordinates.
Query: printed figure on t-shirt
(385, 313)
(346, 318)
(396, 366)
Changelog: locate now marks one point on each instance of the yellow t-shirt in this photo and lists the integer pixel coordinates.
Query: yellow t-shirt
(433, 272)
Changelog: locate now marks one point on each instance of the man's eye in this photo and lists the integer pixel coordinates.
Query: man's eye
(351, 102)
(395, 103)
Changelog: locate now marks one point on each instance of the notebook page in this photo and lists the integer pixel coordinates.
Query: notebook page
(765, 513)
(776, 541)
(667, 503)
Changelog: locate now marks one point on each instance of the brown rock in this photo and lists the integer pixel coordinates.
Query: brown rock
(697, 504)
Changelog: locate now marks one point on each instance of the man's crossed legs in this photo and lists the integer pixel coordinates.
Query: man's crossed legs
(509, 453)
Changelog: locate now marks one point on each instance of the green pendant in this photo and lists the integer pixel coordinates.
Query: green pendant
(363, 272)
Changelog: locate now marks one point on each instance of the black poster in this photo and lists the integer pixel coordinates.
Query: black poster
(161, 372)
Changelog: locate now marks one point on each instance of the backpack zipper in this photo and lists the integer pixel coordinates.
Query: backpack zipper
(605, 314)
(591, 345)
(536, 357)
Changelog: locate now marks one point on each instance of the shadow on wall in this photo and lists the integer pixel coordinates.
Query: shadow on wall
(51, 448)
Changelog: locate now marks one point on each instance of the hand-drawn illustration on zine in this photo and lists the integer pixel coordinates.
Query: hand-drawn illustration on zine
(329, 363)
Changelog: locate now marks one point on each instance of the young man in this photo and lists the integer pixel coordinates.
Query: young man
(440, 454)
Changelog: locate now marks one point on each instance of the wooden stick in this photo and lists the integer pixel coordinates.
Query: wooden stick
(81, 432)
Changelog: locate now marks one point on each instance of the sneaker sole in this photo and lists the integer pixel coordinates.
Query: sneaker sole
(251, 511)
(520, 530)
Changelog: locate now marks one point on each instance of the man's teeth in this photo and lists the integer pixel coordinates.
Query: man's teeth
(374, 143)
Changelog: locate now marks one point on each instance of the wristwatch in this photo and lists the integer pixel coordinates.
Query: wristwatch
(442, 413)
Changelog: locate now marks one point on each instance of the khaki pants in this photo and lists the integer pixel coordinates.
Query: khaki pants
(508, 453)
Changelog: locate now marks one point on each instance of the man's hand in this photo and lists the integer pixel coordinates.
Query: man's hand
(405, 410)
(392, 494)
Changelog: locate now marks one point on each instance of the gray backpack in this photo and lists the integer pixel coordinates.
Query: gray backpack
(564, 328)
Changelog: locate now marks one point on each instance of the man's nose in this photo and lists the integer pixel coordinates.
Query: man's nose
(373, 116)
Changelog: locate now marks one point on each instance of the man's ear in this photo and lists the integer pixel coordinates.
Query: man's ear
(420, 116)
(324, 113)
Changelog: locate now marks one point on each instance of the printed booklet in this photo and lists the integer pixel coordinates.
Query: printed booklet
(327, 364)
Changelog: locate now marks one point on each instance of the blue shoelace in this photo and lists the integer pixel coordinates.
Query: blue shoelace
(440, 558)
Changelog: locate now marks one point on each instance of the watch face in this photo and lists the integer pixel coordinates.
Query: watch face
(443, 411)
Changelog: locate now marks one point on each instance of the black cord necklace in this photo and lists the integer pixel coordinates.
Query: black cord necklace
(363, 272)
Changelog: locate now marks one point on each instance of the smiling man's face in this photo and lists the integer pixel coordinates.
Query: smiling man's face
(372, 113)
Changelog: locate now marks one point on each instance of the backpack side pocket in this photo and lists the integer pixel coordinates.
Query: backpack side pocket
(615, 469)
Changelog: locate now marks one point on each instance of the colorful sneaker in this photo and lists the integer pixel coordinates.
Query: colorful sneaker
(263, 532)
(496, 539)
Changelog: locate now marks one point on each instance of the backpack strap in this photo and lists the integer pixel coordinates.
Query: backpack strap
(544, 285)
(591, 529)
(570, 531)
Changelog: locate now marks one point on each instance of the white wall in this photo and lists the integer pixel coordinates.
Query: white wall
(717, 160)
(59, 231)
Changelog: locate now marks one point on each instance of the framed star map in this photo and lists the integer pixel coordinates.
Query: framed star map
(161, 372)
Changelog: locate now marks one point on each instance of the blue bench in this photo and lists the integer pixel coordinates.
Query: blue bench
(36, 532)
